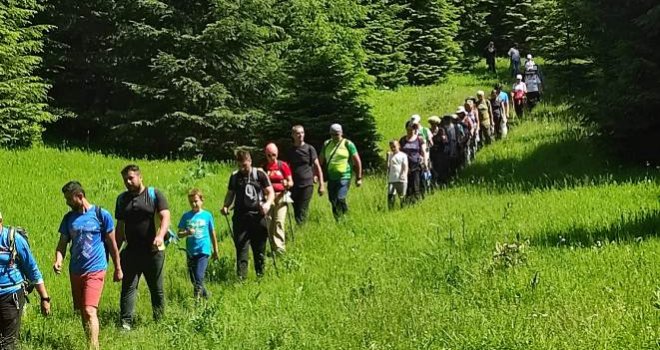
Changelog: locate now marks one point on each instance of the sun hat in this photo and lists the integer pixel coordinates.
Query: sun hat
(434, 119)
(460, 110)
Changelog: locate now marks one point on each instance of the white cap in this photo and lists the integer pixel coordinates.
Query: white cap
(529, 56)
(335, 129)
(480, 93)
(460, 110)
(519, 76)
(415, 118)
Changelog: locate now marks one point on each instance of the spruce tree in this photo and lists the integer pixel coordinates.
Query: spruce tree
(474, 31)
(385, 42)
(326, 82)
(22, 94)
(433, 51)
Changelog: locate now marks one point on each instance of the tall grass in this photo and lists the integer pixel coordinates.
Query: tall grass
(583, 273)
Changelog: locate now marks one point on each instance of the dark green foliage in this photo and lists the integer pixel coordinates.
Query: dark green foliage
(474, 32)
(512, 21)
(385, 42)
(22, 94)
(326, 81)
(433, 51)
(625, 41)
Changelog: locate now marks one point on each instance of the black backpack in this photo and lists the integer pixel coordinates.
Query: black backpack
(252, 192)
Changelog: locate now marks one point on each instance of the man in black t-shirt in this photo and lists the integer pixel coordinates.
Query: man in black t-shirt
(252, 195)
(305, 166)
(145, 250)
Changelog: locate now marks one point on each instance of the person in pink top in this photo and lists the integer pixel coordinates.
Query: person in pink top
(280, 176)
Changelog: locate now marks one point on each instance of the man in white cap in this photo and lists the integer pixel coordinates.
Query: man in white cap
(518, 94)
(339, 158)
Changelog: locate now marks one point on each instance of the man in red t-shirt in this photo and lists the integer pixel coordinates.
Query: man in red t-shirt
(280, 176)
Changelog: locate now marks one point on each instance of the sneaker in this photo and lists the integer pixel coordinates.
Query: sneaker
(125, 327)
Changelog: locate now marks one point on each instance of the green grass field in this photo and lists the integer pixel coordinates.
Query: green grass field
(579, 269)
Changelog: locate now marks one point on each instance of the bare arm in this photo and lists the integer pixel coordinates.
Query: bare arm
(214, 242)
(60, 253)
(111, 244)
(164, 223)
(357, 162)
(319, 174)
(120, 235)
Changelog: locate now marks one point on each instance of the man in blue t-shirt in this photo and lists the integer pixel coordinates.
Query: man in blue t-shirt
(90, 230)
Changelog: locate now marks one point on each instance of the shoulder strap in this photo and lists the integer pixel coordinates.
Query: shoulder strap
(12, 245)
(335, 150)
(152, 194)
(99, 217)
(309, 154)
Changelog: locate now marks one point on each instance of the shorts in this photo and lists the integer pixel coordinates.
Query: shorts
(86, 289)
(398, 188)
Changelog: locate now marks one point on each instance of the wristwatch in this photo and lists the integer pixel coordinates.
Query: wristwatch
(45, 299)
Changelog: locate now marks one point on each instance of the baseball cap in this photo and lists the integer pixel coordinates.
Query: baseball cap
(335, 129)
(460, 110)
(519, 76)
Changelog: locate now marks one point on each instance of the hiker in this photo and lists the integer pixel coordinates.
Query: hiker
(514, 56)
(91, 231)
(425, 133)
(340, 157)
(306, 170)
(19, 273)
(529, 63)
(252, 196)
(498, 118)
(281, 179)
(198, 227)
(438, 156)
(534, 83)
(518, 95)
(473, 115)
(486, 122)
(468, 136)
(397, 174)
(136, 212)
(504, 97)
(456, 136)
(412, 144)
(490, 53)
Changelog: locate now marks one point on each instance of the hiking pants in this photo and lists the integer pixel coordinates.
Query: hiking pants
(515, 68)
(490, 61)
(134, 264)
(414, 190)
(277, 223)
(519, 106)
(533, 98)
(396, 189)
(337, 193)
(301, 198)
(250, 230)
(486, 134)
(197, 270)
(11, 310)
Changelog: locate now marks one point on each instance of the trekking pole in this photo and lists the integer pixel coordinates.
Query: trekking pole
(231, 230)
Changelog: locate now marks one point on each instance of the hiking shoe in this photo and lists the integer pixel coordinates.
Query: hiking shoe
(125, 327)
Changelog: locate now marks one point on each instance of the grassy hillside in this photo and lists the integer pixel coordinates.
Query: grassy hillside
(582, 273)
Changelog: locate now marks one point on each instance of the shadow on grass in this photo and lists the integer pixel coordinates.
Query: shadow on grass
(630, 227)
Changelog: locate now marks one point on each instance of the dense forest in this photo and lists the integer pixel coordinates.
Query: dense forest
(180, 79)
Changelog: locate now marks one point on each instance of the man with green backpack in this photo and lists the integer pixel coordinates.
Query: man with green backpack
(136, 213)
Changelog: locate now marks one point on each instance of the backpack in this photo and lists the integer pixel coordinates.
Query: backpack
(13, 253)
(253, 194)
(519, 94)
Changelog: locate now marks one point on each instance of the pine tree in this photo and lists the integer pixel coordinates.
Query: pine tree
(22, 94)
(433, 50)
(385, 42)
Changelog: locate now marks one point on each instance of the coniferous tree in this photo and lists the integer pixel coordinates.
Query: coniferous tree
(22, 94)
(326, 81)
(385, 42)
(433, 50)
(474, 31)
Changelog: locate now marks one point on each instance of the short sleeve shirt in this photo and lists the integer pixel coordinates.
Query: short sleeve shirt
(302, 160)
(339, 166)
(201, 225)
(138, 213)
(504, 97)
(237, 182)
(277, 172)
(395, 171)
(87, 239)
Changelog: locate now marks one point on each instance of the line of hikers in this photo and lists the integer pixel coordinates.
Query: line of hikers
(429, 157)
(260, 199)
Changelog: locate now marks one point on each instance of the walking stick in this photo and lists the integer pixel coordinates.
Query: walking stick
(231, 230)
